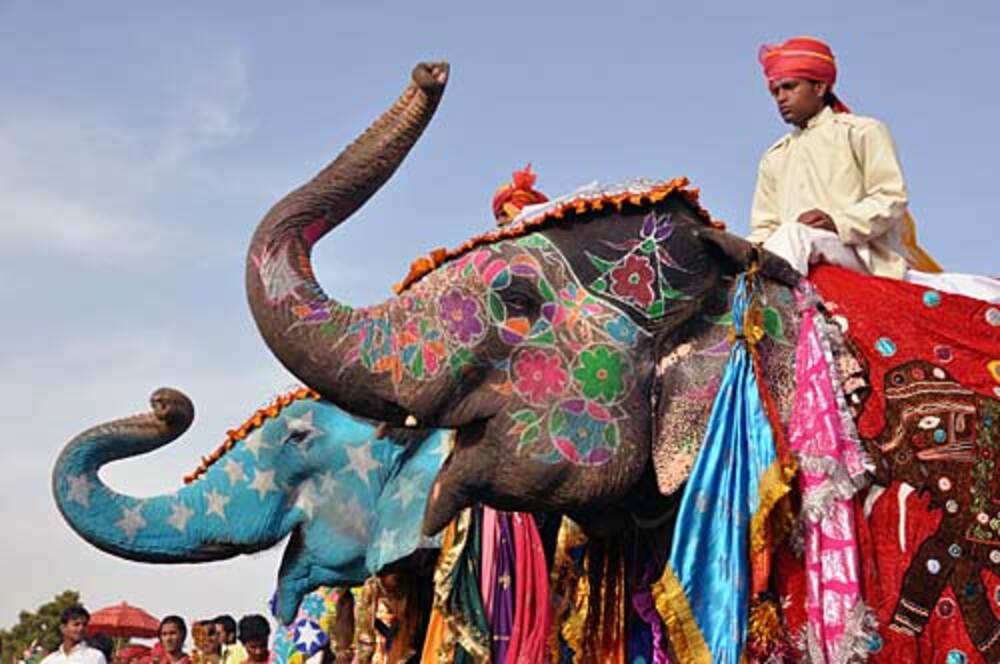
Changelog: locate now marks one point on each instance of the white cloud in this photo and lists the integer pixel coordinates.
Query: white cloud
(77, 181)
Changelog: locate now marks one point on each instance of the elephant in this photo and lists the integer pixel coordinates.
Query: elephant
(352, 500)
(538, 343)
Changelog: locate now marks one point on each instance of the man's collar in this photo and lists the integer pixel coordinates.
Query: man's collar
(825, 115)
(80, 644)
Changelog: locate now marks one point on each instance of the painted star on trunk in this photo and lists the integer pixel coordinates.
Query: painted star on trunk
(131, 521)
(180, 516)
(263, 483)
(216, 504)
(79, 489)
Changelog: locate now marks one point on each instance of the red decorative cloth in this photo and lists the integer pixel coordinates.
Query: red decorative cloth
(511, 197)
(893, 322)
(801, 57)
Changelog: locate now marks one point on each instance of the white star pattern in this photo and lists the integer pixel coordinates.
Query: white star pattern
(308, 634)
(386, 540)
(279, 278)
(234, 470)
(131, 521)
(263, 483)
(255, 443)
(306, 500)
(180, 516)
(361, 461)
(355, 519)
(302, 428)
(327, 484)
(406, 490)
(79, 489)
(216, 504)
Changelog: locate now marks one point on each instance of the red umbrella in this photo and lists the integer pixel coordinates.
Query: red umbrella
(123, 620)
(132, 651)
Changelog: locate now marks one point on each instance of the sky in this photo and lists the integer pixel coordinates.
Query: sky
(141, 143)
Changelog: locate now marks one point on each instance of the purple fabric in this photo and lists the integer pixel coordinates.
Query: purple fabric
(503, 591)
(642, 602)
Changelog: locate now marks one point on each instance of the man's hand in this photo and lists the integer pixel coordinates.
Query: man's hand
(818, 219)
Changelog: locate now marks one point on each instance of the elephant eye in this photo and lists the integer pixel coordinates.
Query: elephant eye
(928, 422)
(521, 299)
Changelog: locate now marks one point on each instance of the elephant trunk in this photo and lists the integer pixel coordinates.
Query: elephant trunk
(159, 529)
(298, 321)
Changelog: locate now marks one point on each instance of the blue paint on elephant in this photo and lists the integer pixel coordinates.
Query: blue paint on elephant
(352, 502)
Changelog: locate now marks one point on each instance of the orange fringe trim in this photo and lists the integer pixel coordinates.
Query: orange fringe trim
(253, 422)
(427, 264)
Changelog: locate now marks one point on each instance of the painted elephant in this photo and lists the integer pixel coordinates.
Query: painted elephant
(538, 343)
(351, 500)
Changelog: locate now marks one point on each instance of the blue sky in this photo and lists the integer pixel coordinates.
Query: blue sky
(140, 146)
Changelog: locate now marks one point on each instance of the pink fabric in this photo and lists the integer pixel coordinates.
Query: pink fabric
(831, 465)
(487, 576)
(532, 608)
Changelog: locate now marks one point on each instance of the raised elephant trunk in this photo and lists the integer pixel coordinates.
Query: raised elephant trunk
(185, 526)
(298, 321)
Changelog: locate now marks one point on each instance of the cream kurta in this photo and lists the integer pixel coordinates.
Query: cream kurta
(846, 166)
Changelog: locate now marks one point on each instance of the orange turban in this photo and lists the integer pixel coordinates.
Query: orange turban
(511, 197)
(801, 57)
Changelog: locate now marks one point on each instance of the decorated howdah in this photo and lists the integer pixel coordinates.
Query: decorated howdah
(605, 431)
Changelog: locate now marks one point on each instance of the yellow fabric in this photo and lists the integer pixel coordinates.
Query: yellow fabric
(233, 653)
(846, 166)
(672, 605)
(438, 645)
(915, 255)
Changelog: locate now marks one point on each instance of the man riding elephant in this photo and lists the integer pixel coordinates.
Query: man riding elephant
(832, 189)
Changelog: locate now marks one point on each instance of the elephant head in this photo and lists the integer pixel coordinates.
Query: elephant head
(352, 501)
(538, 343)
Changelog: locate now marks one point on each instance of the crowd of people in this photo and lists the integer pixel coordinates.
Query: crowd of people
(219, 640)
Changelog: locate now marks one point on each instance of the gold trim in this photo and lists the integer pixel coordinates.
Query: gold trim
(672, 605)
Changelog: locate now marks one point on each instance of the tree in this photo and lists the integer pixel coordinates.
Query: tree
(42, 627)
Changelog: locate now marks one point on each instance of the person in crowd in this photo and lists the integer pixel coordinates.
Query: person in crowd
(172, 634)
(102, 642)
(73, 649)
(255, 633)
(231, 651)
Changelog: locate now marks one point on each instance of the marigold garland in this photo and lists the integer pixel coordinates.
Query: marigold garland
(255, 421)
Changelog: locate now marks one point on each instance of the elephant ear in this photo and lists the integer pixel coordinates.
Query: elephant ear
(741, 254)
(690, 371)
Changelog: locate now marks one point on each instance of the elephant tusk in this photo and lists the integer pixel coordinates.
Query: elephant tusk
(410, 422)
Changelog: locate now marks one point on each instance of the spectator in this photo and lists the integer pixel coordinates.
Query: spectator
(172, 634)
(73, 650)
(230, 651)
(102, 642)
(255, 633)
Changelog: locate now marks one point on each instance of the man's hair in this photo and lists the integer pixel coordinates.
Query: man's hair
(177, 620)
(227, 622)
(75, 612)
(254, 626)
(830, 99)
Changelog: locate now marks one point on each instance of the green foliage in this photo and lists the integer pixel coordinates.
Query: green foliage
(41, 626)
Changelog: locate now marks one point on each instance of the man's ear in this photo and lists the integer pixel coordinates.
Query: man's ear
(821, 88)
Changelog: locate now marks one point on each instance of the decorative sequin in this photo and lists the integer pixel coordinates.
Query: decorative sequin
(994, 368)
(944, 484)
(885, 347)
(956, 657)
(932, 298)
(995, 558)
(943, 353)
(946, 608)
(940, 435)
(875, 643)
(938, 373)
(933, 566)
(954, 551)
(993, 316)
(951, 506)
(983, 518)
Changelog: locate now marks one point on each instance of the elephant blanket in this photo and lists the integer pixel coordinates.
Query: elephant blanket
(928, 412)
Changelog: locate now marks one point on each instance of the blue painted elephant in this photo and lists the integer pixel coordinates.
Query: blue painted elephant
(353, 501)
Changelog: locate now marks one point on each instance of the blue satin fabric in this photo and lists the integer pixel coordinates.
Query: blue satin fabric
(710, 553)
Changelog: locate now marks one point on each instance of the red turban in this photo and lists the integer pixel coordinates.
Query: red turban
(801, 57)
(511, 197)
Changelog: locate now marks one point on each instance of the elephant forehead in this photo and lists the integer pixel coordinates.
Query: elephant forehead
(639, 193)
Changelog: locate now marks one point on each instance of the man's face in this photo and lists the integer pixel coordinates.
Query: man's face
(221, 635)
(73, 630)
(256, 649)
(170, 637)
(798, 99)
